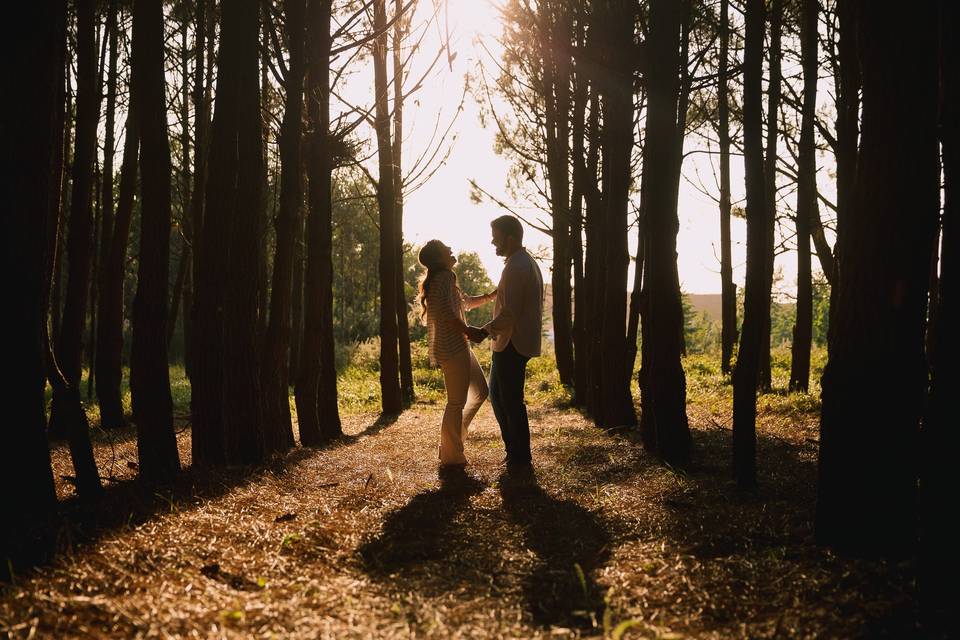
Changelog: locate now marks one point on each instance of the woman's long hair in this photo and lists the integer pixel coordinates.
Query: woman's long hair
(431, 257)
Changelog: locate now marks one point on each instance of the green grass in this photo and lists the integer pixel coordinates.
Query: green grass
(358, 382)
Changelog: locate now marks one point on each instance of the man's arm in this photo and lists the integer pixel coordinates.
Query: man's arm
(472, 302)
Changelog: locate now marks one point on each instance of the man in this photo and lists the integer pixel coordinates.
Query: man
(515, 330)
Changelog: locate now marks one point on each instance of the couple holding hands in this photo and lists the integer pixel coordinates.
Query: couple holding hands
(515, 338)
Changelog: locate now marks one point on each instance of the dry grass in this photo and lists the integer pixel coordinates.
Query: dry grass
(365, 539)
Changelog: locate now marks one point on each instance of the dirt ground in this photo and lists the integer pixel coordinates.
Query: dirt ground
(366, 539)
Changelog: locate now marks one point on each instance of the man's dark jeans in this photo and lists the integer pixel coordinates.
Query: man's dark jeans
(507, 374)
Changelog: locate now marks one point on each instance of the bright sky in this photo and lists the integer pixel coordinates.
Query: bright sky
(442, 208)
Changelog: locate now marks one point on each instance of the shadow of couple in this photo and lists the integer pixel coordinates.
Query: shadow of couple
(448, 539)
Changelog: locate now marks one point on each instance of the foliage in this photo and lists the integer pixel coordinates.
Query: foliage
(473, 280)
(700, 333)
(356, 247)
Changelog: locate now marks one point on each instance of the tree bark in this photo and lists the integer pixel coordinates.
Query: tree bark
(31, 180)
(662, 380)
(576, 248)
(56, 288)
(391, 402)
(242, 409)
(848, 132)
(149, 367)
(81, 215)
(316, 389)
(807, 209)
(226, 413)
(867, 492)
(407, 391)
(593, 266)
(617, 98)
(938, 482)
(185, 260)
(555, 61)
(203, 34)
(110, 327)
(770, 177)
(757, 289)
(296, 303)
(107, 222)
(728, 289)
(278, 429)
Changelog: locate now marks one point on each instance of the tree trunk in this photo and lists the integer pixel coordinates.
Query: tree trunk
(757, 289)
(94, 278)
(728, 289)
(580, 358)
(31, 180)
(226, 419)
(576, 254)
(110, 327)
(149, 367)
(81, 215)
(556, 86)
(876, 377)
(617, 99)
(316, 389)
(185, 260)
(593, 266)
(107, 223)
(848, 131)
(242, 409)
(56, 288)
(278, 429)
(770, 177)
(72, 415)
(407, 391)
(663, 386)
(807, 209)
(391, 402)
(201, 126)
(938, 482)
(636, 298)
(296, 333)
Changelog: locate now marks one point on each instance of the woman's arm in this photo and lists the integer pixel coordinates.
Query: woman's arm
(472, 302)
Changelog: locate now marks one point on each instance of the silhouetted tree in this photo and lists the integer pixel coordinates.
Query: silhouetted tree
(227, 417)
(807, 208)
(938, 480)
(728, 289)
(757, 286)
(662, 380)
(149, 367)
(316, 389)
(79, 243)
(31, 135)
(616, 23)
(278, 429)
(775, 8)
(391, 402)
(867, 491)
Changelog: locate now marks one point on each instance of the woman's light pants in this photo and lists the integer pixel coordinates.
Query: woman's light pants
(466, 391)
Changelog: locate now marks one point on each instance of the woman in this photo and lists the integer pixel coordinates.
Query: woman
(443, 305)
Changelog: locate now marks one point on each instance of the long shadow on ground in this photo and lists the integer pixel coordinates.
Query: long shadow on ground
(570, 544)
(128, 502)
(542, 549)
(426, 530)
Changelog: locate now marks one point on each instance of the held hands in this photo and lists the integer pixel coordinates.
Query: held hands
(476, 334)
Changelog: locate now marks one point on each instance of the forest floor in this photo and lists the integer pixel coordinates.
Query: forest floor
(365, 538)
